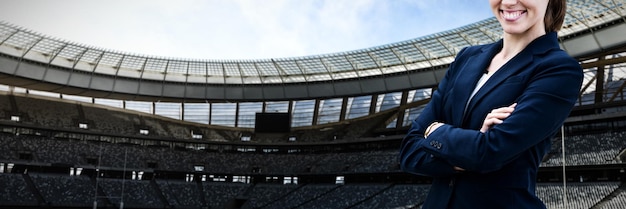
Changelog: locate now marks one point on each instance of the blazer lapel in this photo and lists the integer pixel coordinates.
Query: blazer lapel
(507, 70)
(517, 63)
(467, 78)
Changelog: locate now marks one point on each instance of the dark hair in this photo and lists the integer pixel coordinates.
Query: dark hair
(555, 15)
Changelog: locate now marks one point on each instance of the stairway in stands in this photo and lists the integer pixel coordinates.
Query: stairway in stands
(617, 191)
(31, 186)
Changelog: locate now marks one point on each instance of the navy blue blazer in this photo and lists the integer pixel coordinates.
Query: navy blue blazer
(501, 164)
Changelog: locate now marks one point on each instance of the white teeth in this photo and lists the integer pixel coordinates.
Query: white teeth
(511, 15)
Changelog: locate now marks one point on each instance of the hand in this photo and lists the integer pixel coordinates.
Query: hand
(458, 169)
(432, 128)
(496, 116)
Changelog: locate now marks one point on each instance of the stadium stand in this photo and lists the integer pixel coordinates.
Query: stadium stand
(61, 190)
(591, 149)
(615, 202)
(15, 191)
(177, 192)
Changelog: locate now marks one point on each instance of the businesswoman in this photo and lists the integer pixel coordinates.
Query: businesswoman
(490, 121)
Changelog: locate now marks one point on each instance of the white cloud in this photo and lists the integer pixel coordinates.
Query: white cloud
(239, 29)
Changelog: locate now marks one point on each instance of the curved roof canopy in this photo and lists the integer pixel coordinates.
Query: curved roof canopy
(378, 69)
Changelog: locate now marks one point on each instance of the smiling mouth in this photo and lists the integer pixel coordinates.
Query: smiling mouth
(512, 15)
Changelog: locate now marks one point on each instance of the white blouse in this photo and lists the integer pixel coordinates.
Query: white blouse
(480, 84)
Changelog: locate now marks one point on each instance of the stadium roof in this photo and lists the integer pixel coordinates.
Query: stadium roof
(328, 74)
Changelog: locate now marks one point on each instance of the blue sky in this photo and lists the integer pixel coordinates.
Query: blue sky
(239, 29)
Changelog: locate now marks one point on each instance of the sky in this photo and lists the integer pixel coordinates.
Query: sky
(239, 29)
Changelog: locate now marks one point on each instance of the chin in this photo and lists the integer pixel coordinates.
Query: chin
(514, 30)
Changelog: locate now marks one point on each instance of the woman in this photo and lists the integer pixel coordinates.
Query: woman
(490, 122)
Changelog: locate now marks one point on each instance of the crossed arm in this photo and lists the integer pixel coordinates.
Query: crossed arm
(496, 116)
(504, 134)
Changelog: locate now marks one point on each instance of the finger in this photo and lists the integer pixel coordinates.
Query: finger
(497, 115)
(491, 122)
(504, 109)
(488, 123)
(508, 109)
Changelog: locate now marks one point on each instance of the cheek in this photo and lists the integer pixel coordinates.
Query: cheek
(542, 7)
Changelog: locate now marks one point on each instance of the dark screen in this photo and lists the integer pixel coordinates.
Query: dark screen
(272, 123)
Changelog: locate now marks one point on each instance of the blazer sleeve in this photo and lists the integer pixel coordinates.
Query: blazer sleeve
(541, 110)
(413, 157)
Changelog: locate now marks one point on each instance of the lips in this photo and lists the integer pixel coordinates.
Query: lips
(511, 15)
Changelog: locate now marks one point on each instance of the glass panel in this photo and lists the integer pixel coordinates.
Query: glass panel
(197, 69)
(411, 114)
(77, 98)
(19, 90)
(247, 114)
(392, 124)
(282, 106)
(4, 87)
(197, 112)
(170, 110)
(223, 114)
(419, 94)
(329, 111)
(359, 106)
(44, 93)
(389, 100)
(139, 106)
(109, 102)
(157, 65)
(303, 113)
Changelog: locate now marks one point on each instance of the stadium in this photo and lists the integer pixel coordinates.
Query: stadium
(84, 127)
